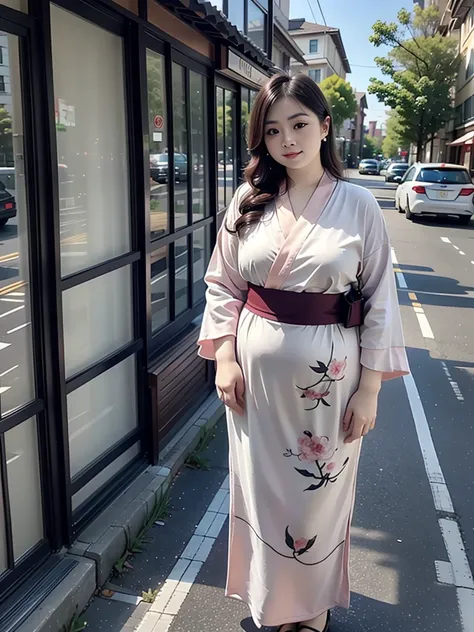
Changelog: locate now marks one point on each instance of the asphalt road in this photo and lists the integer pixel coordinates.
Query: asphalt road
(415, 501)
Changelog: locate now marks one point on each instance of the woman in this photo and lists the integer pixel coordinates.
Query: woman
(299, 381)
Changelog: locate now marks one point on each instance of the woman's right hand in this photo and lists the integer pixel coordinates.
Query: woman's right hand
(230, 385)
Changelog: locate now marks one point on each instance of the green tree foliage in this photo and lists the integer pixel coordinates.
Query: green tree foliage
(341, 98)
(394, 139)
(422, 67)
(372, 147)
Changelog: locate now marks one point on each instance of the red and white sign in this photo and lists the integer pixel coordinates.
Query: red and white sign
(158, 122)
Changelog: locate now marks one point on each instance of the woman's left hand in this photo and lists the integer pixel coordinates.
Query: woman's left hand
(360, 415)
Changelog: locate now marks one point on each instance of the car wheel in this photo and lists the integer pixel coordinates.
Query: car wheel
(408, 213)
(464, 219)
(3, 222)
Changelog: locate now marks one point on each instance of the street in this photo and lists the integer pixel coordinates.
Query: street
(413, 528)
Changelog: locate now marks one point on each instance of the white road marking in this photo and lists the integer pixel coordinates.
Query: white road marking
(425, 327)
(401, 280)
(4, 345)
(12, 311)
(12, 331)
(461, 252)
(461, 571)
(181, 579)
(457, 248)
(454, 385)
(4, 389)
(446, 240)
(12, 300)
(9, 370)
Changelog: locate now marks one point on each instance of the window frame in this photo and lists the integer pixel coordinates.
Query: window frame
(267, 13)
(311, 42)
(162, 338)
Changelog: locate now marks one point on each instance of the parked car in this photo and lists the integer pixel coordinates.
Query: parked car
(396, 171)
(7, 205)
(159, 167)
(369, 167)
(436, 189)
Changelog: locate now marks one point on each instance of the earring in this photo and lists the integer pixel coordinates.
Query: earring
(325, 139)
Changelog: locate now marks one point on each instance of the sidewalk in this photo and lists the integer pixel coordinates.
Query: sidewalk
(395, 543)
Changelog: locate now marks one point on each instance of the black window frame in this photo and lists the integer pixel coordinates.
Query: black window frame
(158, 341)
(268, 20)
(2, 83)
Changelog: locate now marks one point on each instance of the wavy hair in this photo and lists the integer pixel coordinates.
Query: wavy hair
(264, 175)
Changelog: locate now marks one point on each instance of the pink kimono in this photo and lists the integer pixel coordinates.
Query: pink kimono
(292, 477)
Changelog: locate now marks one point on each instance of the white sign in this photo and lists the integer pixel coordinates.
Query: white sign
(65, 114)
(245, 69)
(157, 137)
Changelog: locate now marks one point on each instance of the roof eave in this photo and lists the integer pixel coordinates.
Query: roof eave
(294, 50)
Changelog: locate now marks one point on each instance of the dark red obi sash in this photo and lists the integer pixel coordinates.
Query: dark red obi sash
(305, 308)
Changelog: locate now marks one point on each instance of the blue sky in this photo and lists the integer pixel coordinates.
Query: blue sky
(355, 18)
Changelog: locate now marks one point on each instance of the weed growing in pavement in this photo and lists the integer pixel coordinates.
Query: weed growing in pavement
(160, 511)
(196, 460)
(75, 624)
(150, 595)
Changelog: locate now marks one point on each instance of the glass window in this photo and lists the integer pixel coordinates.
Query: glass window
(97, 319)
(410, 174)
(201, 255)
(256, 25)
(236, 13)
(181, 275)
(91, 137)
(105, 409)
(21, 446)
(315, 75)
(230, 165)
(19, 5)
(444, 176)
(3, 532)
(106, 475)
(197, 87)
(180, 148)
(16, 348)
(157, 122)
(160, 306)
(220, 149)
(313, 45)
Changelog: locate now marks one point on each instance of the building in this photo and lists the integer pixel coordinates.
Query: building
(126, 140)
(374, 131)
(323, 49)
(458, 22)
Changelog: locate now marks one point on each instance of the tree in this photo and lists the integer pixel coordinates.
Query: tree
(341, 98)
(372, 147)
(423, 68)
(394, 140)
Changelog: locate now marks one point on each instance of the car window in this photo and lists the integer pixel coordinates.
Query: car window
(409, 175)
(399, 167)
(439, 175)
(179, 158)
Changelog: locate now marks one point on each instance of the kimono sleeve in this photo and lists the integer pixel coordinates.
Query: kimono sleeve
(226, 290)
(382, 343)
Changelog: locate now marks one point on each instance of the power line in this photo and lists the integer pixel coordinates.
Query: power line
(321, 11)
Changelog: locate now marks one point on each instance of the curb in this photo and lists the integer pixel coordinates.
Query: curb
(105, 539)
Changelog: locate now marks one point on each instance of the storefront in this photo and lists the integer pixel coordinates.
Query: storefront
(122, 134)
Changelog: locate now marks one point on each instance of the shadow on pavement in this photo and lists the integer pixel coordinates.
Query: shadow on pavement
(436, 290)
(451, 222)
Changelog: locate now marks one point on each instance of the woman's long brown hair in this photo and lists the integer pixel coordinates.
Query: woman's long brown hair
(265, 175)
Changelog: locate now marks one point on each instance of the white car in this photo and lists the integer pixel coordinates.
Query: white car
(436, 189)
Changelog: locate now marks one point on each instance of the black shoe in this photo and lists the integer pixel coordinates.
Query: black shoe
(307, 627)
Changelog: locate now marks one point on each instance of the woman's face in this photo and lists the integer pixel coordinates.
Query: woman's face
(293, 134)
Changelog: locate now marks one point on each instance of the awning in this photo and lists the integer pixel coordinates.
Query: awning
(467, 139)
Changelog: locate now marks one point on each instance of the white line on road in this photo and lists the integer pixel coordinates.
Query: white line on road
(9, 370)
(12, 331)
(450, 531)
(461, 252)
(454, 385)
(12, 311)
(177, 586)
(401, 280)
(457, 247)
(446, 240)
(425, 327)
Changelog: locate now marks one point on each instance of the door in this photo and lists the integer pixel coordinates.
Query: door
(23, 522)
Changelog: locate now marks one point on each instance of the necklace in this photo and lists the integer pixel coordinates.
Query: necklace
(307, 201)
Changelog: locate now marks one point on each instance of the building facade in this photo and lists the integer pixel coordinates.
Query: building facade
(323, 50)
(123, 143)
(455, 143)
